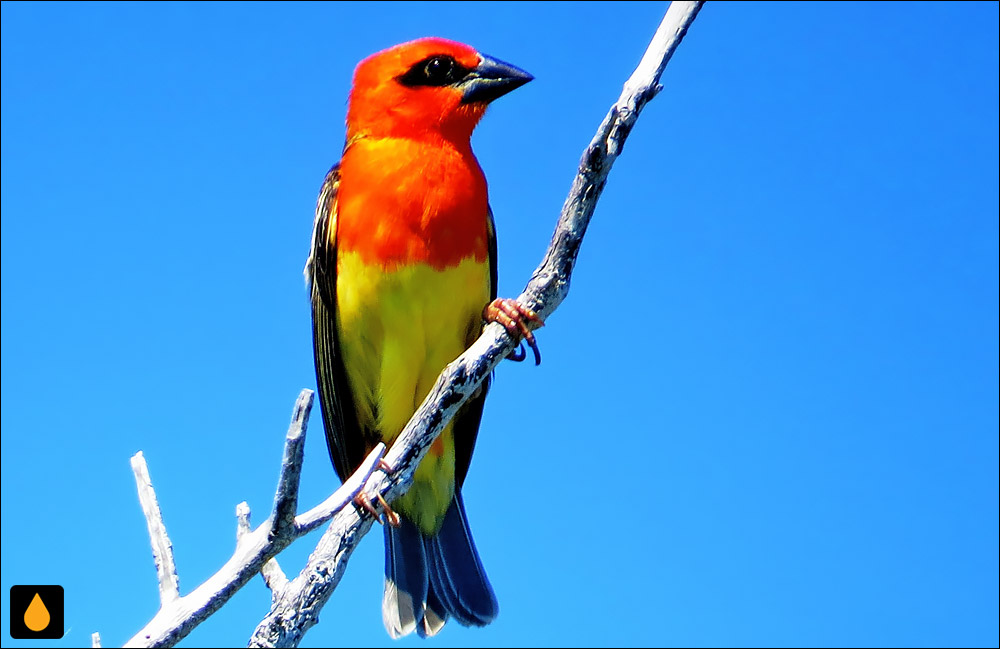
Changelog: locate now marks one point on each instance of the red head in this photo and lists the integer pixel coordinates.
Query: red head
(431, 87)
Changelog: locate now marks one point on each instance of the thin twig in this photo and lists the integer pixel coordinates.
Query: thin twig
(321, 513)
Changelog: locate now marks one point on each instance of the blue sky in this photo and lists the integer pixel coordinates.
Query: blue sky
(767, 412)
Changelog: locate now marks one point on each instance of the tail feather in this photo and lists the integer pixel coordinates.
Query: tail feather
(405, 579)
(456, 572)
(442, 586)
(429, 579)
(435, 615)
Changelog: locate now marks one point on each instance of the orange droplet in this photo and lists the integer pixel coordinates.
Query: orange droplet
(37, 616)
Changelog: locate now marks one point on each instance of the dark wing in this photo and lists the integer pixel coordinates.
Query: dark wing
(343, 437)
(468, 418)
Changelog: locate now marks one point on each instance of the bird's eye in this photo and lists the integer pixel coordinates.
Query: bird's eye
(439, 70)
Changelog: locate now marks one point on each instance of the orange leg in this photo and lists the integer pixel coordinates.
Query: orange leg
(515, 319)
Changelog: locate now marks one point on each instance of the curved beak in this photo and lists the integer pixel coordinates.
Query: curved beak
(490, 80)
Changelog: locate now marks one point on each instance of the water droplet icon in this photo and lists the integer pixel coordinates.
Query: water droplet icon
(37, 617)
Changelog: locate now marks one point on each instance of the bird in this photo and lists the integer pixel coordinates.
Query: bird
(402, 276)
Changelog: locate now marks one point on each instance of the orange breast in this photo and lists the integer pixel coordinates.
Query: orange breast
(402, 201)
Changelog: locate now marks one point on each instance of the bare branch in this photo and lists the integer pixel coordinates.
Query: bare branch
(163, 551)
(254, 549)
(271, 571)
(298, 607)
(274, 577)
(321, 513)
(287, 495)
(549, 284)
(297, 610)
(177, 618)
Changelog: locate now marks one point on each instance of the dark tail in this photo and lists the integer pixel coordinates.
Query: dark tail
(429, 579)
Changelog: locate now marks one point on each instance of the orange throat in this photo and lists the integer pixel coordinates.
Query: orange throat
(405, 201)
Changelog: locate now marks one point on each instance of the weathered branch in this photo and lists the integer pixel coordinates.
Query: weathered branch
(179, 615)
(274, 577)
(296, 608)
(271, 571)
(163, 551)
(287, 496)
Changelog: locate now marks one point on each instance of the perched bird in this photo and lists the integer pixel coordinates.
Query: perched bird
(402, 274)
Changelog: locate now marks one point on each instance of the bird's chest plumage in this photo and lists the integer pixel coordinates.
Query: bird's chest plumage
(398, 329)
(403, 202)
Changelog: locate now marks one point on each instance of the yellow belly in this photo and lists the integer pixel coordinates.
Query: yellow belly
(398, 329)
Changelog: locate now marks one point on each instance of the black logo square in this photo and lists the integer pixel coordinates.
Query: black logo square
(36, 612)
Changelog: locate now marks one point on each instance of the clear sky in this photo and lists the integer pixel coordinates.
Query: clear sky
(767, 413)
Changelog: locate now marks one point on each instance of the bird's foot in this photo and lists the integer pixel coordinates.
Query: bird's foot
(364, 502)
(515, 319)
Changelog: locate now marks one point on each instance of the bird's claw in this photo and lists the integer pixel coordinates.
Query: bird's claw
(515, 318)
(518, 354)
(364, 502)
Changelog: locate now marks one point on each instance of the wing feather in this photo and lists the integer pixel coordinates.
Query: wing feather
(467, 421)
(343, 436)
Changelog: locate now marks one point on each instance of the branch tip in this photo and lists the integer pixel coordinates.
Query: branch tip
(287, 493)
(163, 551)
(242, 520)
